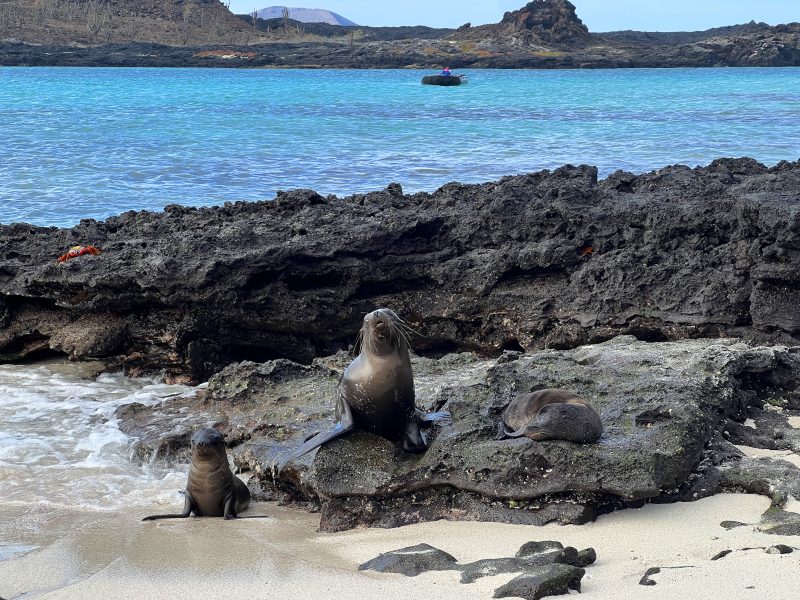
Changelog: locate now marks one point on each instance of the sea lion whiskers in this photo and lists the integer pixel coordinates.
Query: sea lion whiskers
(359, 341)
(402, 332)
(404, 324)
(404, 329)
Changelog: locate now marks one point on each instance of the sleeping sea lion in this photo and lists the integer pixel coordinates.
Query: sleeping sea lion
(212, 489)
(551, 415)
(376, 392)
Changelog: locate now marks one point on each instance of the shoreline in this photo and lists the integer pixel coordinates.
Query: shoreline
(539, 34)
(598, 51)
(112, 555)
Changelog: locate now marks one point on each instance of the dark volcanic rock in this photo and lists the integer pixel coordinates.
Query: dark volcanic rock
(551, 580)
(690, 386)
(547, 567)
(530, 548)
(164, 432)
(525, 39)
(662, 405)
(411, 561)
(541, 22)
(778, 479)
(646, 579)
(550, 259)
(585, 557)
(777, 521)
(525, 561)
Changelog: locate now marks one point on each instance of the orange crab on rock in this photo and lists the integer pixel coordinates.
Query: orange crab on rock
(77, 251)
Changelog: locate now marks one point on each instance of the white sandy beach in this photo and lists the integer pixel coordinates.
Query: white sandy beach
(113, 555)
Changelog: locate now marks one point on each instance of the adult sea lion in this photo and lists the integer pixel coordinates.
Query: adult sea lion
(376, 392)
(551, 415)
(212, 489)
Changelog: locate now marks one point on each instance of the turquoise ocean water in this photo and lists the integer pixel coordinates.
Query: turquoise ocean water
(78, 143)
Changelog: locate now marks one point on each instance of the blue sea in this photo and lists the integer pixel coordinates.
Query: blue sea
(95, 142)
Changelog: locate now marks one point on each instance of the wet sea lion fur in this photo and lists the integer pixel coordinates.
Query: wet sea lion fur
(551, 414)
(212, 489)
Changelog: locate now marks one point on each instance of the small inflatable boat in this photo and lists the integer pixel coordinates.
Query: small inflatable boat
(444, 79)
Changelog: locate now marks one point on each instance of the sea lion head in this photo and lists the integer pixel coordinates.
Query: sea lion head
(207, 444)
(572, 422)
(382, 332)
(550, 420)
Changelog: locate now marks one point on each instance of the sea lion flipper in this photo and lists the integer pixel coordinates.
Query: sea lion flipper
(230, 506)
(342, 426)
(188, 507)
(441, 417)
(318, 440)
(412, 440)
(505, 432)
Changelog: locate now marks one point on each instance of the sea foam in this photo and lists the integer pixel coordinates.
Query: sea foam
(61, 444)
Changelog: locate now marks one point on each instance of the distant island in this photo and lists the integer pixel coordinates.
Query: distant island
(304, 15)
(180, 33)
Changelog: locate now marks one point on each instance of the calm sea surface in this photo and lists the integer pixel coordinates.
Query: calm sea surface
(95, 142)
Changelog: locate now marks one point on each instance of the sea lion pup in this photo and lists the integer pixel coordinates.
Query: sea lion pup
(376, 392)
(551, 415)
(212, 489)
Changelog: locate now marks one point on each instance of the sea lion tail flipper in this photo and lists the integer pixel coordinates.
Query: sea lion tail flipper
(158, 517)
(505, 432)
(188, 507)
(442, 418)
(317, 441)
(344, 424)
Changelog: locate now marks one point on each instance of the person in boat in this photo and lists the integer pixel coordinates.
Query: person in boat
(446, 72)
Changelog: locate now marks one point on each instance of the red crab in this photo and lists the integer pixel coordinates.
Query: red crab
(77, 251)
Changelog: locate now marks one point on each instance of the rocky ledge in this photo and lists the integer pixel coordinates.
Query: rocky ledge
(672, 412)
(554, 259)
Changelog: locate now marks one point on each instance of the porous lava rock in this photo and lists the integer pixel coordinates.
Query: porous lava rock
(551, 259)
(541, 22)
(663, 406)
(547, 568)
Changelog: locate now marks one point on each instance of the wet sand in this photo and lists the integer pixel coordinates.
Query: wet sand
(113, 555)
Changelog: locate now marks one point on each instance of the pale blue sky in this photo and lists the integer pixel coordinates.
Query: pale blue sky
(599, 15)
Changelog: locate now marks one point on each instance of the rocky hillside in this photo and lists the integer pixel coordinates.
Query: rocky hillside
(544, 34)
(173, 22)
(541, 22)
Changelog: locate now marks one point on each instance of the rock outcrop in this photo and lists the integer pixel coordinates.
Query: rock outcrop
(538, 23)
(550, 259)
(547, 568)
(665, 407)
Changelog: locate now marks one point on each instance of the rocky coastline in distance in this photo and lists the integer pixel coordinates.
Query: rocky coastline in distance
(668, 299)
(542, 34)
